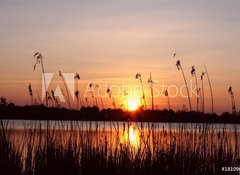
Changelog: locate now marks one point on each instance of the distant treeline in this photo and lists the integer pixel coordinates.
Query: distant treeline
(94, 114)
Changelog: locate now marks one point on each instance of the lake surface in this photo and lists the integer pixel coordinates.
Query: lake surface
(138, 143)
(21, 124)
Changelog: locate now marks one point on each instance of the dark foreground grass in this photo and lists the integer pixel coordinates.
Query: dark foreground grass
(94, 150)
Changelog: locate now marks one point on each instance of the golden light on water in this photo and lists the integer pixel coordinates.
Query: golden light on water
(132, 137)
(133, 104)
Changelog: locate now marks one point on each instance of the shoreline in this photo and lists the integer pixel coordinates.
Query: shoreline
(94, 114)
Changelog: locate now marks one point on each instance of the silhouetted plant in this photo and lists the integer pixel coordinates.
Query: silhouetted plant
(39, 99)
(150, 82)
(66, 89)
(91, 86)
(165, 92)
(39, 59)
(111, 97)
(50, 99)
(4, 103)
(100, 94)
(193, 73)
(138, 76)
(203, 105)
(210, 86)
(55, 99)
(230, 91)
(30, 92)
(77, 77)
(179, 67)
(130, 149)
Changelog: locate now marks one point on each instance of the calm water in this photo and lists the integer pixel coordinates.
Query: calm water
(24, 124)
(114, 136)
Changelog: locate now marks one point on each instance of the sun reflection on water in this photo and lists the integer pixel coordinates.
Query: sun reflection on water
(131, 136)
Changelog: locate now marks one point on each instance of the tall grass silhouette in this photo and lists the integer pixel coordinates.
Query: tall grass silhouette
(55, 99)
(100, 94)
(30, 92)
(125, 148)
(76, 78)
(49, 97)
(139, 77)
(210, 86)
(66, 89)
(179, 67)
(109, 92)
(230, 91)
(202, 95)
(193, 73)
(39, 59)
(150, 82)
(165, 92)
(91, 86)
(3, 101)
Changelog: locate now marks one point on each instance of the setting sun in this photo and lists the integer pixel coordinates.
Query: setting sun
(133, 104)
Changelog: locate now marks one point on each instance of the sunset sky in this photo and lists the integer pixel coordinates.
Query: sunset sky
(115, 39)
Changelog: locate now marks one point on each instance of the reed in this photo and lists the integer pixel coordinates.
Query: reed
(39, 59)
(165, 92)
(55, 99)
(97, 87)
(193, 73)
(30, 92)
(179, 67)
(95, 103)
(66, 89)
(109, 92)
(118, 148)
(230, 91)
(210, 87)
(202, 94)
(150, 82)
(139, 76)
(77, 93)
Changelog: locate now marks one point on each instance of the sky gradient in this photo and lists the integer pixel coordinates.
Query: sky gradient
(114, 40)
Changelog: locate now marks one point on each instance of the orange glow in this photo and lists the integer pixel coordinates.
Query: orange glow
(134, 136)
(133, 104)
(131, 137)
